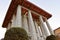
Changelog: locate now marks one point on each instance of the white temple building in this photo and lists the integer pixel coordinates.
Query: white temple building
(24, 14)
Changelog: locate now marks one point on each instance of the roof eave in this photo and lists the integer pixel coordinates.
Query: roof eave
(25, 3)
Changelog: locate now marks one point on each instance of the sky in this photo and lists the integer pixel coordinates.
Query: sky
(51, 6)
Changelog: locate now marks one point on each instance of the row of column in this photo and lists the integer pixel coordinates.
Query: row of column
(34, 31)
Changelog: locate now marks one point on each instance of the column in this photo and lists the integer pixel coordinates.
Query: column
(43, 28)
(13, 20)
(18, 17)
(31, 26)
(11, 23)
(25, 23)
(9, 26)
(41, 34)
(37, 31)
(49, 27)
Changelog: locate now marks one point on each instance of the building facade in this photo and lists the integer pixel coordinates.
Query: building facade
(57, 31)
(22, 13)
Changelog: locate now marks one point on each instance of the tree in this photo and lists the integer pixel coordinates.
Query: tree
(51, 37)
(16, 34)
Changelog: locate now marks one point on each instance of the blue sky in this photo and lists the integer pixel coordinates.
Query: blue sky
(51, 6)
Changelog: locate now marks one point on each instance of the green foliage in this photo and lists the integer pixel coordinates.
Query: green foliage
(51, 37)
(16, 34)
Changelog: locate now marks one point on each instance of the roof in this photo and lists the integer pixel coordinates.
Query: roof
(25, 4)
(57, 29)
